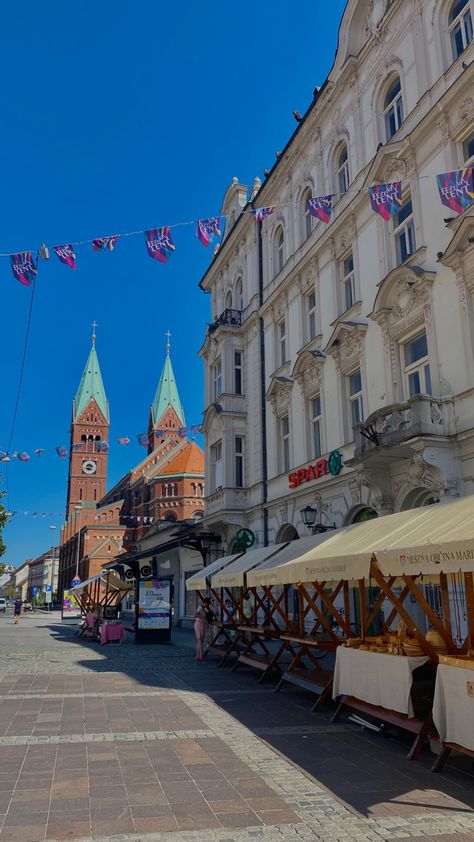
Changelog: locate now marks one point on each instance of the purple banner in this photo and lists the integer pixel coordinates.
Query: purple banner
(262, 213)
(66, 255)
(62, 452)
(142, 439)
(207, 229)
(159, 244)
(102, 243)
(24, 267)
(386, 199)
(456, 189)
(321, 207)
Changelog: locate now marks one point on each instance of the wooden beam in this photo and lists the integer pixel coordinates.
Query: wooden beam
(432, 617)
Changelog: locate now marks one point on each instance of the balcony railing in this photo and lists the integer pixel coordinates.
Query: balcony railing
(228, 317)
(419, 416)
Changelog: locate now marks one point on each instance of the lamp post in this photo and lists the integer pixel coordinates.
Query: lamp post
(308, 516)
(205, 540)
(52, 567)
(76, 575)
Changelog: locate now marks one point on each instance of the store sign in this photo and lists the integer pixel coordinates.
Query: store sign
(321, 468)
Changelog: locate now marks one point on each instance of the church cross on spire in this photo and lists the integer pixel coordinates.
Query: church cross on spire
(94, 325)
(168, 346)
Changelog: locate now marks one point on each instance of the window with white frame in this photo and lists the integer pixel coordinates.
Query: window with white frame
(228, 300)
(417, 366)
(239, 461)
(281, 328)
(393, 108)
(460, 26)
(468, 151)
(216, 465)
(239, 295)
(306, 218)
(315, 422)
(404, 231)
(342, 169)
(217, 379)
(279, 250)
(311, 314)
(285, 444)
(355, 397)
(347, 280)
(238, 372)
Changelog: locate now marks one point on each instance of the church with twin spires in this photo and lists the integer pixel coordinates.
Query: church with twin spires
(167, 485)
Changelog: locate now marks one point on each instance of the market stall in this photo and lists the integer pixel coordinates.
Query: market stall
(99, 598)
(453, 707)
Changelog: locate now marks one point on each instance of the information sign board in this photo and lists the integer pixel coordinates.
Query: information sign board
(154, 610)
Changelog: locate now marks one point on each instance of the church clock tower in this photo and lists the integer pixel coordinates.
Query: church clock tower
(89, 437)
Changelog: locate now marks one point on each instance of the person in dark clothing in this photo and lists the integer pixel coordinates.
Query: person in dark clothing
(17, 610)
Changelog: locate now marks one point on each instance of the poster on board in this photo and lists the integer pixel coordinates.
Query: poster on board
(71, 610)
(154, 609)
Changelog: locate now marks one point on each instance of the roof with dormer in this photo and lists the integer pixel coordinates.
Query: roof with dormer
(188, 461)
(167, 394)
(91, 387)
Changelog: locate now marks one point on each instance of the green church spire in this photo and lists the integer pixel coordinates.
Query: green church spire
(91, 385)
(167, 391)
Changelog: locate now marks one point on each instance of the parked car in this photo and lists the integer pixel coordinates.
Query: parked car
(3, 604)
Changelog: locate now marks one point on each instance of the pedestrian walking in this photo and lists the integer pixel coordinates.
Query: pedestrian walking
(200, 627)
(17, 610)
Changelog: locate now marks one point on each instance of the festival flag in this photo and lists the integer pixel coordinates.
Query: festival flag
(159, 434)
(23, 456)
(123, 440)
(102, 447)
(39, 451)
(386, 199)
(142, 439)
(66, 255)
(77, 447)
(456, 189)
(207, 229)
(261, 213)
(24, 267)
(102, 243)
(159, 243)
(320, 207)
(61, 451)
(183, 431)
(196, 428)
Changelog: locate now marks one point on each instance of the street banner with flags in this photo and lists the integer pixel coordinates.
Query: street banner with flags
(207, 229)
(24, 267)
(456, 189)
(386, 199)
(262, 213)
(102, 243)
(66, 255)
(159, 243)
(321, 207)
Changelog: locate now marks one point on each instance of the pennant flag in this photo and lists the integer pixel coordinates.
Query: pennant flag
(196, 428)
(5, 458)
(77, 447)
(207, 229)
(39, 451)
(24, 267)
(183, 431)
(142, 439)
(102, 243)
(23, 457)
(456, 189)
(320, 207)
(123, 440)
(261, 213)
(66, 255)
(62, 452)
(159, 244)
(159, 434)
(102, 446)
(35, 514)
(386, 199)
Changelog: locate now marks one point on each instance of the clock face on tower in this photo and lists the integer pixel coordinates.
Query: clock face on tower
(89, 467)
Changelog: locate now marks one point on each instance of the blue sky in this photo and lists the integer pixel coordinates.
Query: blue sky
(120, 116)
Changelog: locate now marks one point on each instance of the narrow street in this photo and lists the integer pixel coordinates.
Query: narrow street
(142, 743)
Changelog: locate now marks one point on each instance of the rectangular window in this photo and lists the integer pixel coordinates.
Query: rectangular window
(282, 341)
(285, 444)
(347, 272)
(315, 424)
(217, 375)
(216, 460)
(468, 150)
(355, 398)
(311, 314)
(239, 461)
(404, 231)
(237, 372)
(417, 366)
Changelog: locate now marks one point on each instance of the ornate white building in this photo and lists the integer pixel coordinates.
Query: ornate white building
(354, 338)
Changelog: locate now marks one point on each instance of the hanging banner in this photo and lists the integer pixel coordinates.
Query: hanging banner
(456, 189)
(142, 439)
(23, 457)
(261, 213)
(159, 434)
(66, 255)
(102, 243)
(102, 446)
(207, 229)
(196, 428)
(183, 431)
(386, 199)
(62, 452)
(123, 440)
(39, 451)
(159, 244)
(24, 267)
(320, 207)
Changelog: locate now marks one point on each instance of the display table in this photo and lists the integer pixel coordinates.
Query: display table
(315, 679)
(225, 641)
(253, 638)
(380, 685)
(453, 711)
(111, 631)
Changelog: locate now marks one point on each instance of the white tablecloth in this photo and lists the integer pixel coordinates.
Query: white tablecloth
(453, 709)
(375, 678)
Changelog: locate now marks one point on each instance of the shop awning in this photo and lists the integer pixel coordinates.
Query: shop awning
(264, 573)
(197, 582)
(108, 577)
(233, 574)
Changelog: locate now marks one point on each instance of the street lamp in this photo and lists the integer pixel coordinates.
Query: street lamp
(52, 567)
(308, 516)
(78, 509)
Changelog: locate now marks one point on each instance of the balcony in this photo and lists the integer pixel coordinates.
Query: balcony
(396, 424)
(231, 318)
(225, 499)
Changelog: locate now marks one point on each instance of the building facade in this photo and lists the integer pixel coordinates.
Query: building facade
(43, 575)
(339, 362)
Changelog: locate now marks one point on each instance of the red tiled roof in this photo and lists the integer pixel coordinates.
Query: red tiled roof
(190, 460)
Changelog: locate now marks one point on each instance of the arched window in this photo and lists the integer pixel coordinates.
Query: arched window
(393, 108)
(460, 26)
(342, 169)
(170, 516)
(238, 295)
(228, 300)
(201, 490)
(306, 220)
(279, 250)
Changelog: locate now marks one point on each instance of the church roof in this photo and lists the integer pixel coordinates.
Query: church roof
(167, 394)
(91, 386)
(187, 461)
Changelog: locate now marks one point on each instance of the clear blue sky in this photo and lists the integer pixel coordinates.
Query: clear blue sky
(120, 116)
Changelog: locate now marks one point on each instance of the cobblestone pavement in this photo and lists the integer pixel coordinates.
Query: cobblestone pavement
(126, 743)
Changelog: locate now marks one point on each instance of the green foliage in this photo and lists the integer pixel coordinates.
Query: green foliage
(11, 591)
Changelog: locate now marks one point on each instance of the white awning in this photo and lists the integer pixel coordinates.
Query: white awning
(233, 575)
(109, 577)
(265, 573)
(197, 582)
